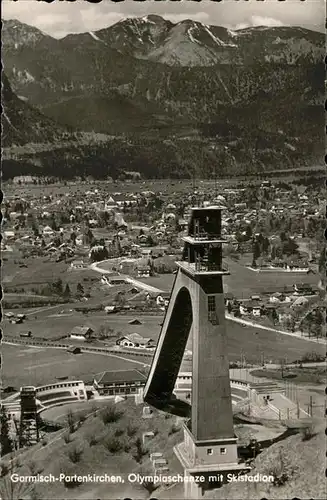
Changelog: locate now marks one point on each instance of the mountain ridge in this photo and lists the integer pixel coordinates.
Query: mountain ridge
(118, 81)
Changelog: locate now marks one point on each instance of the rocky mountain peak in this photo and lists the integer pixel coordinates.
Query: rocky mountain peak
(15, 34)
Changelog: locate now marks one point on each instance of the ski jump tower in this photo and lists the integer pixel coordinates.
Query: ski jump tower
(28, 431)
(197, 303)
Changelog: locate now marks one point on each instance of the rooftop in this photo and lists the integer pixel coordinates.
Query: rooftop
(81, 330)
(204, 238)
(212, 207)
(135, 337)
(118, 376)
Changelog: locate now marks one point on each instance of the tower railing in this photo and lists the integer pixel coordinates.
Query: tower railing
(203, 236)
(207, 266)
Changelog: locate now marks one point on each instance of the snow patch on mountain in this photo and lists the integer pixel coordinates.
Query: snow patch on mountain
(232, 33)
(93, 35)
(219, 42)
(191, 37)
(147, 20)
(215, 39)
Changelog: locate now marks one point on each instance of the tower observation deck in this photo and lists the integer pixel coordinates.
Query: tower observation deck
(203, 243)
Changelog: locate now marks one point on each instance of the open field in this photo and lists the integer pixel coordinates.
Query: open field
(243, 282)
(168, 186)
(43, 365)
(316, 375)
(163, 281)
(250, 341)
(40, 271)
(51, 325)
(37, 366)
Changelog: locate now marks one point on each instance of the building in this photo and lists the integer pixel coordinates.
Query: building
(285, 314)
(74, 349)
(300, 302)
(9, 235)
(135, 341)
(47, 231)
(111, 309)
(61, 392)
(120, 383)
(81, 333)
(303, 289)
(143, 270)
(26, 334)
(78, 264)
(162, 299)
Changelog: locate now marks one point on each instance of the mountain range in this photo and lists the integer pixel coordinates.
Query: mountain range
(149, 79)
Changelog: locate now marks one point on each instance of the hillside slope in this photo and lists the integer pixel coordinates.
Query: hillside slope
(24, 124)
(105, 445)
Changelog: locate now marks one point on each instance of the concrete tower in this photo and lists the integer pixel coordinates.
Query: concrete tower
(197, 300)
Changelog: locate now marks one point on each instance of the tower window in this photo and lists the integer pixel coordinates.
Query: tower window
(211, 304)
(212, 316)
(223, 451)
(209, 451)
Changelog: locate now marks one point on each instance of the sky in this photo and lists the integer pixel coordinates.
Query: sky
(60, 18)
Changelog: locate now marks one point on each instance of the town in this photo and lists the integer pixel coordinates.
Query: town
(118, 251)
(88, 275)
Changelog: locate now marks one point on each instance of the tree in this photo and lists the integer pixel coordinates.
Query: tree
(66, 293)
(73, 238)
(229, 307)
(274, 316)
(150, 241)
(256, 253)
(6, 442)
(88, 237)
(70, 418)
(120, 299)
(58, 287)
(290, 247)
(79, 289)
(322, 260)
(54, 225)
(248, 232)
(265, 245)
(140, 450)
(98, 253)
(35, 228)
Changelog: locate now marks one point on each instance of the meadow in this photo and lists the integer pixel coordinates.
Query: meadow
(22, 365)
(36, 366)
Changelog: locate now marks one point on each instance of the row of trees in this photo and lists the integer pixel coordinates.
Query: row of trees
(6, 442)
(58, 288)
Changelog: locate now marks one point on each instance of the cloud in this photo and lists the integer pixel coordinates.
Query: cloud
(258, 21)
(202, 17)
(265, 21)
(62, 17)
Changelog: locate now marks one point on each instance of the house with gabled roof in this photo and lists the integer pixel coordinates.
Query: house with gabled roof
(135, 341)
(120, 383)
(81, 333)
